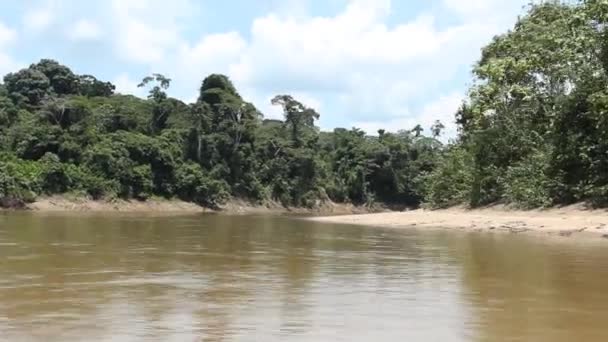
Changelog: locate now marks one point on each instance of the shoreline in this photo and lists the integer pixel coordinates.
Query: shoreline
(565, 222)
(63, 204)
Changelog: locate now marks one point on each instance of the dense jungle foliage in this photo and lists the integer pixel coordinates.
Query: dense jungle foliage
(534, 128)
(62, 132)
(533, 132)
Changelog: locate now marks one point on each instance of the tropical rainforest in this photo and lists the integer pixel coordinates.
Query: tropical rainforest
(532, 132)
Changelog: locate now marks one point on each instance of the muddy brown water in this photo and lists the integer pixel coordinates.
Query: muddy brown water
(111, 277)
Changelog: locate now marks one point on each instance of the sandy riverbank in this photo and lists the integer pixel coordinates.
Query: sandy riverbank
(79, 204)
(69, 204)
(568, 221)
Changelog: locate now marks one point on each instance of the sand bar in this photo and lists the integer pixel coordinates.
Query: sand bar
(568, 221)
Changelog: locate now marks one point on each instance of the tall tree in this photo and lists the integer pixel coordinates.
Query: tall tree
(417, 130)
(298, 118)
(63, 81)
(224, 131)
(437, 128)
(90, 86)
(27, 86)
(162, 107)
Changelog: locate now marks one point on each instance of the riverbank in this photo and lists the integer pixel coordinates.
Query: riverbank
(568, 221)
(66, 203)
(81, 204)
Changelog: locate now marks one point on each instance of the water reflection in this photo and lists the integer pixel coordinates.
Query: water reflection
(264, 278)
(535, 290)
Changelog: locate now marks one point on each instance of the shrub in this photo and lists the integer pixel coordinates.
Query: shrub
(526, 183)
(19, 180)
(194, 185)
(141, 182)
(310, 199)
(93, 185)
(450, 183)
(54, 178)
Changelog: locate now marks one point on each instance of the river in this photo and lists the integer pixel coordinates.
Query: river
(211, 277)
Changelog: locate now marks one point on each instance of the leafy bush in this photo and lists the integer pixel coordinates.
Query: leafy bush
(450, 183)
(140, 182)
(194, 185)
(83, 179)
(526, 183)
(310, 199)
(597, 196)
(54, 178)
(19, 180)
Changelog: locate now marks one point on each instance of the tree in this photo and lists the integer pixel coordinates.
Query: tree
(8, 110)
(532, 132)
(299, 119)
(63, 111)
(223, 129)
(48, 77)
(162, 107)
(200, 122)
(27, 86)
(437, 128)
(417, 130)
(90, 86)
(62, 80)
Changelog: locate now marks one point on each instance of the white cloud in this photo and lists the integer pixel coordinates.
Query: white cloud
(442, 109)
(308, 100)
(362, 69)
(480, 9)
(361, 65)
(372, 71)
(213, 53)
(125, 85)
(148, 31)
(469, 7)
(39, 19)
(7, 35)
(84, 30)
(328, 51)
(141, 43)
(7, 63)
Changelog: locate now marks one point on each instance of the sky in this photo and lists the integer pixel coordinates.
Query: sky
(369, 64)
